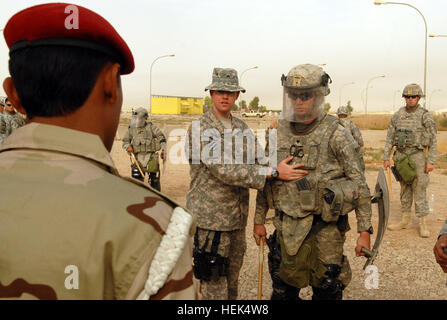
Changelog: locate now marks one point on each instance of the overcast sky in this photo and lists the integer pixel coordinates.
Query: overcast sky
(355, 38)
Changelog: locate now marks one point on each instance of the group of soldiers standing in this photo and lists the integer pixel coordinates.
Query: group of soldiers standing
(65, 206)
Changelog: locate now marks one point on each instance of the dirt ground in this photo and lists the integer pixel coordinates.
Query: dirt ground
(406, 264)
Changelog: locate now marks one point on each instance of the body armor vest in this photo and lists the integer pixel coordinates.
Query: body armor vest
(323, 172)
(144, 140)
(410, 132)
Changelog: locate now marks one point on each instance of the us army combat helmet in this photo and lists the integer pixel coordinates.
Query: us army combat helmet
(139, 117)
(304, 83)
(225, 79)
(343, 111)
(413, 89)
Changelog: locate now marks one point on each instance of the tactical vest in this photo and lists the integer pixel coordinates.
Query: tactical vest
(144, 140)
(410, 131)
(324, 174)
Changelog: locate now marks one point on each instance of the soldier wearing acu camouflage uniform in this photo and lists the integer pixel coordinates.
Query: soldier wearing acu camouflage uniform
(412, 130)
(145, 139)
(343, 113)
(12, 118)
(219, 190)
(311, 213)
(70, 226)
(2, 121)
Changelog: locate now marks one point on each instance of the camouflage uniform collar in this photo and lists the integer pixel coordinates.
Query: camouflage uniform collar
(217, 123)
(54, 138)
(411, 110)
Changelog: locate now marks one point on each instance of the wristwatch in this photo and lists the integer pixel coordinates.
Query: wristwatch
(274, 173)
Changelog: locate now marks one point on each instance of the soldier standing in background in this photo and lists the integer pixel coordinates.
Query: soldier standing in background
(145, 139)
(311, 214)
(218, 195)
(70, 226)
(343, 113)
(412, 130)
(2, 121)
(12, 118)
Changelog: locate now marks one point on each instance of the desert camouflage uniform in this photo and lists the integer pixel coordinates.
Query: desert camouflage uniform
(423, 128)
(64, 204)
(218, 198)
(146, 141)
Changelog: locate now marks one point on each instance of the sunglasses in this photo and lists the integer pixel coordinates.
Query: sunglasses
(9, 105)
(411, 97)
(302, 96)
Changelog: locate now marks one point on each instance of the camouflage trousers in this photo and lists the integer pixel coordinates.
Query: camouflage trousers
(416, 191)
(233, 246)
(324, 245)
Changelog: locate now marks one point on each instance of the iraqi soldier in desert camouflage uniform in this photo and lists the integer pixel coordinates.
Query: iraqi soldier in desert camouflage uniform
(70, 226)
(311, 213)
(412, 131)
(219, 190)
(145, 139)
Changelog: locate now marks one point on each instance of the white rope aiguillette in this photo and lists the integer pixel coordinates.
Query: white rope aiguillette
(168, 253)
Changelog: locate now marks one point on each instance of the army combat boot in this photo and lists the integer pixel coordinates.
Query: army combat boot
(423, 231)
(402, 224)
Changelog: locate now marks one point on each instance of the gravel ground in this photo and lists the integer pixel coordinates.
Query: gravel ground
(406, 264)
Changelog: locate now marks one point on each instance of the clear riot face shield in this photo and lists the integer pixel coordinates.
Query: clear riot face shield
(302, 105)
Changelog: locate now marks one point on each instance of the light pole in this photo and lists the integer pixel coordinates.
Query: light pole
(425, 23)
(150, 81)
(431, 94)
(394, 99)
(240, 78)
(367, 86)
(431, 35)
(339, 98)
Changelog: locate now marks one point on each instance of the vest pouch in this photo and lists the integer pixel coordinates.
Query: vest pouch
(308, 200)
(407, 169)
(136, 145)
(153, 165)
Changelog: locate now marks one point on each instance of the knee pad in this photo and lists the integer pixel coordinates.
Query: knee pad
(136, 173)
(330, 287)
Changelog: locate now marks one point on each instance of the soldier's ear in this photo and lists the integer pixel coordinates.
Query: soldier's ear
(11, 92)
(112, 82)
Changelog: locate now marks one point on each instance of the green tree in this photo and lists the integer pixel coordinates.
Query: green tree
(235, 108)
(350, 108)
(254, 104)
(327, 107)
(262, 109)
(207, 104)
(243, 104)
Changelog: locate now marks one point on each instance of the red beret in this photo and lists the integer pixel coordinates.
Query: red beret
(65, 24)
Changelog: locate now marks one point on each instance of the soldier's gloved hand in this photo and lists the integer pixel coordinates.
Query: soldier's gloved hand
(259, 233)
(162, 154)
(129, 149)
(386, 164)
(364, 241)
(440, 255)
(429, 168)
(290, 172)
